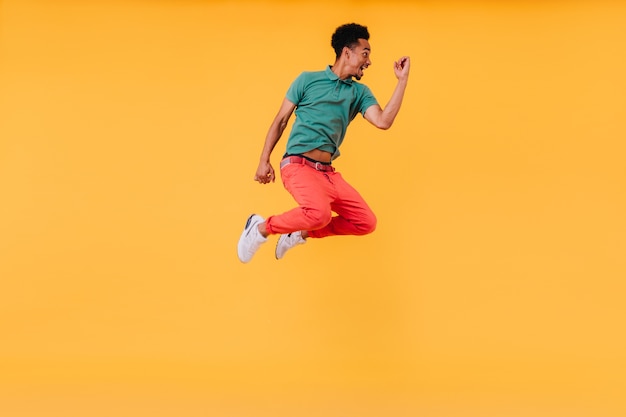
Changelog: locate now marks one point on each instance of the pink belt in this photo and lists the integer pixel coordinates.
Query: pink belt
(303, 161)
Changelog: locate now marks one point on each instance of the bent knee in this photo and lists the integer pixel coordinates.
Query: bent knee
(368, 224)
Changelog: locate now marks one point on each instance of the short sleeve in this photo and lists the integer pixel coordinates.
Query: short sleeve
(367, 100)
(295, 93)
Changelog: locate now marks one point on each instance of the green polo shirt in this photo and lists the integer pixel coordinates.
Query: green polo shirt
(325, 105)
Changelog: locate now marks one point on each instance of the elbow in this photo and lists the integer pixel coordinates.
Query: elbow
(385, 122)
(380, 119)
(280, 126)
(384, 125)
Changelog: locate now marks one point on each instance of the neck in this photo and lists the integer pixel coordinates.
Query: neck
(339, 70)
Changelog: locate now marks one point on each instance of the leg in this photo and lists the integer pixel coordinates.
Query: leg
(354, 216)
(313, 193)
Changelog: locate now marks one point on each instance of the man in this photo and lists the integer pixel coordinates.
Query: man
(325, 102)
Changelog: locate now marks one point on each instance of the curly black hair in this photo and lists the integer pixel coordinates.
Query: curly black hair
(348, 35)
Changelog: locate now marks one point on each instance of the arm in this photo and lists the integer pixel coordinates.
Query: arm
(383, 119)
(265, 171)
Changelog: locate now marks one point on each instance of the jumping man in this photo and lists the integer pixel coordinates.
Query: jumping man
(325, 102)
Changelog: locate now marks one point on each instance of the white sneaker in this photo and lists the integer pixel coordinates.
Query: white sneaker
(288, 241)
(251, 239)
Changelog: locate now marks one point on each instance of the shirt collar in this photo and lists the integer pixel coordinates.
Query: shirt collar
(334, 77)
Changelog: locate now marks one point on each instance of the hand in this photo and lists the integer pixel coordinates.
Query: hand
(401, 67)
(265, 173)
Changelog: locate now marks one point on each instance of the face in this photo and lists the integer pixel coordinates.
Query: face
(359, 58)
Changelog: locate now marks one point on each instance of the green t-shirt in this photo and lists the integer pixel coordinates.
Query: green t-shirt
(325, 105)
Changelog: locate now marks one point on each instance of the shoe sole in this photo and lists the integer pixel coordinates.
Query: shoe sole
(280, 239)
(247, 228)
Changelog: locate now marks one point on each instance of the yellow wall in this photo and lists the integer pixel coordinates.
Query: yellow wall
(494, 285)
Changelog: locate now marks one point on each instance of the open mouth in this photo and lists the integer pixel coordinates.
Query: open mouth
(360, 73)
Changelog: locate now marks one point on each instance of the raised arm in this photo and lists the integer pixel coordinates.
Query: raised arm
(265, 171)
(383, 119)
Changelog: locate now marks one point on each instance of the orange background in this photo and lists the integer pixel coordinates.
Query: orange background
(494, 286)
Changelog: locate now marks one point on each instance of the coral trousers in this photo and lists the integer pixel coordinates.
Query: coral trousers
(318, 195)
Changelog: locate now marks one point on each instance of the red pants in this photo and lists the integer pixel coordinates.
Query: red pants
(319, 194)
